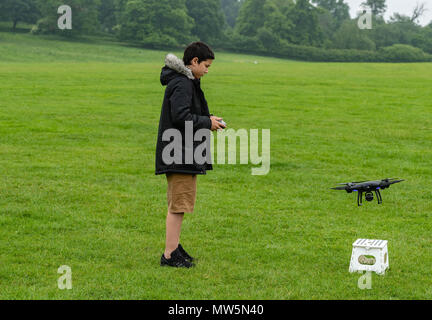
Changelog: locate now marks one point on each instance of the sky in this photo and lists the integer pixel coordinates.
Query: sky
(405, 7)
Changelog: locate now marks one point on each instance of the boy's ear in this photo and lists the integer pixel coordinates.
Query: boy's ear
(194, 61)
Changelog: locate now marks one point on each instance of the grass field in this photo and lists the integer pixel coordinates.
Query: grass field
(78, 126)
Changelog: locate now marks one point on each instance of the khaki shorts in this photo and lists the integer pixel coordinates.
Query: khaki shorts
(181, 192)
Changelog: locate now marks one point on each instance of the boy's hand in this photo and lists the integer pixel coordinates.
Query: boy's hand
(216, 125)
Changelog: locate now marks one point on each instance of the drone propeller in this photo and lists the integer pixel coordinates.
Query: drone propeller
(395, 181)
(339, 188)
(350, 183)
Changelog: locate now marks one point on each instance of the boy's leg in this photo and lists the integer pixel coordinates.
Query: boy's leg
(173, 229)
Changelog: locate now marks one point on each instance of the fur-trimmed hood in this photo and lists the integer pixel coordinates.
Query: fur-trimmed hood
(174, 65)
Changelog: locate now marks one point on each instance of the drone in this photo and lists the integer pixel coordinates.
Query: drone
(368, 187)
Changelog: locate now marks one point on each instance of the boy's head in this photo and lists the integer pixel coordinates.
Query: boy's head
(198, 57)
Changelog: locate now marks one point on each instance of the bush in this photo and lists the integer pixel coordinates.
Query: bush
(45, 26)
(403, 53)
(268, 39)
(241, 43)
(327, 55)
(158, 41)
(263, 44)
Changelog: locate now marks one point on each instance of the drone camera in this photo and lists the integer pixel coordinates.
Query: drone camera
(369, 196)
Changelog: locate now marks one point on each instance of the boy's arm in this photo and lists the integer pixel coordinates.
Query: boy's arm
(181, 100)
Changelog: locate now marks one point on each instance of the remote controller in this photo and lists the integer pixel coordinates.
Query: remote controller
(223, 122)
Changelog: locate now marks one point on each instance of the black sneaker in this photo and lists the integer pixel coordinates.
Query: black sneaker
(177, 260)
(185, 254)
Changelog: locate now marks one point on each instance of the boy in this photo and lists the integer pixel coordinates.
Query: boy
(183, 102)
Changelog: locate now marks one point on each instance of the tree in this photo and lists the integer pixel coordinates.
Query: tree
(418, 11)
(401, 29)
(331, 15)
(277, 19)
(327, 24)
(107, 16)
(251, 17)
(297, 23)
(19, 11)
(231, 10)
(277, 25)
(338, 9)
(397, 18)
(306, 30)
(155, 23)
(384, 35)
(208, 19)
(349, 36)
(378, 7)
(267, 20)
(423, 39)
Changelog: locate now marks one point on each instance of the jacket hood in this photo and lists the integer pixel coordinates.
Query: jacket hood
(173, 67)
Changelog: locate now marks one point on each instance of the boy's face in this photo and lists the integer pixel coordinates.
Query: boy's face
(200, 69)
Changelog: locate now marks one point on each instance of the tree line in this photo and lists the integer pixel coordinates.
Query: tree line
(316, 30)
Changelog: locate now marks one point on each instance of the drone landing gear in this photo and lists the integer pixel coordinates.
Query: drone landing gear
(378, 195)
(360, 198)
(369, 197)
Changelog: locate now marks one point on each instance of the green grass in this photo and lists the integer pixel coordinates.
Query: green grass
(78, 126)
